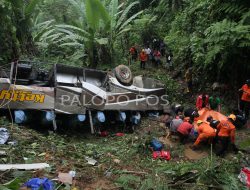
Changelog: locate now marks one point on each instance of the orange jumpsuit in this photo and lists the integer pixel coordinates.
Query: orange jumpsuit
(226, 129)
(143, 56)
(205, 132)
(246, 93)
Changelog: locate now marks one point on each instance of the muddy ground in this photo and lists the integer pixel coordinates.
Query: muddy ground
(122, 162)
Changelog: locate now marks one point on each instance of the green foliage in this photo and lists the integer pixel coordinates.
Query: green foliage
(91, 31)
(94, 13)
(120, 22)
(9, 47)
(128, 181)
(221, 39)
(22, 17)
(212, 36)
(13, 184)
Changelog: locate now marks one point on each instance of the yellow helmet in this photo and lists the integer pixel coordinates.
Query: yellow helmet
(232, 116)
(199, 122)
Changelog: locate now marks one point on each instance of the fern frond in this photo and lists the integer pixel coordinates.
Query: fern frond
(233, 8)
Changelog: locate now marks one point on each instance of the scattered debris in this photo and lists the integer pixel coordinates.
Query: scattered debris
(64, 156)
(2, 153)
(42, 154)
(108, 173)
(91, 161)
(156, 145)
(154, 116)
(4, 167)
(161, 154)
(104, 134)
(244, 176)
(37, 183)
(4, 135)
(119, 134)
(65, 178)
(12, 143)
(72, 173)
(117, 161)
(133, 172)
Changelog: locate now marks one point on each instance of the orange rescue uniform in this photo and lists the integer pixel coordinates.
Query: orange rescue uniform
(246, 93)
(226, 129)
(205, 132)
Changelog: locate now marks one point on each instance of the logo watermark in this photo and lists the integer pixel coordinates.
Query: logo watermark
(121, 100)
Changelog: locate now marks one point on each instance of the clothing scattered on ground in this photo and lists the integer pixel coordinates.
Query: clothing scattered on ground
(4, 135)
(245, 176)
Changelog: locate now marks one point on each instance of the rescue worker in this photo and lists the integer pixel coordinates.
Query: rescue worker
(240, 118)
(245, 98)
(206, 133)
(202, 101)
(226, 134)
(184, 129)
(213, 123)
(143, 58)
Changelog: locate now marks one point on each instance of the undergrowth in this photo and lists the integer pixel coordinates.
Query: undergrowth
(135, 169)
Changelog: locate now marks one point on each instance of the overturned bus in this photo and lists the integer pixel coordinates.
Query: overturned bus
(34, 93)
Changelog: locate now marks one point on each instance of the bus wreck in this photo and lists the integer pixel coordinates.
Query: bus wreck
(76, 92)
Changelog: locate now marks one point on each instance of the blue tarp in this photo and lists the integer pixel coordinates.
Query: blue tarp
(4, 135)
